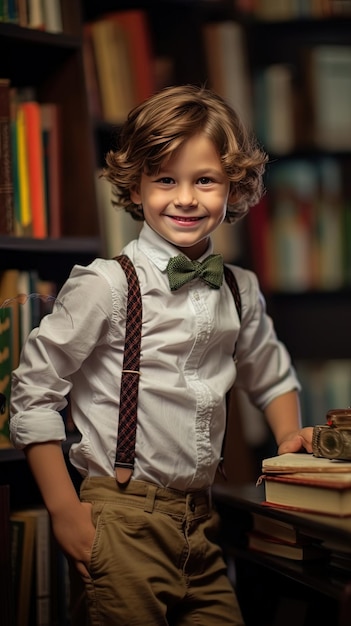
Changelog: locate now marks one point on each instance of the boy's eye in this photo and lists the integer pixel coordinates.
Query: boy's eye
(204, 180)
(166, 180)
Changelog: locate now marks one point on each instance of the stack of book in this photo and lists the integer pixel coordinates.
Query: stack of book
(30, 164)
(303, 482)
(278, 538)
(316, 489)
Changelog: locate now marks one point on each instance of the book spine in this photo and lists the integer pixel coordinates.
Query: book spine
(52, 16)
(36, 176)
(23, 174)
(6, 184)
(50, 128)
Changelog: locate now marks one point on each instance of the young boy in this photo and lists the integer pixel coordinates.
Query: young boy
(143, 535)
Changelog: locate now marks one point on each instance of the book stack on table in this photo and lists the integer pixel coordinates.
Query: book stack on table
(303, 482)
(278, 538)
(310, 487)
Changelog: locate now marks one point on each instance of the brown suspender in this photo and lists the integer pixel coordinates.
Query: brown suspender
(125, 452)
(127, 423)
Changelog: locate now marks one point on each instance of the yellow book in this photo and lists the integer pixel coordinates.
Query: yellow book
(23, 173)
(114, 69)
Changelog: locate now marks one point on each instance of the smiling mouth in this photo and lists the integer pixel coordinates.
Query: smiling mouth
(177, 218)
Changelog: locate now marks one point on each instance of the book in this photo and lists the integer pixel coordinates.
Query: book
(17, 226)
(296, 551)
(6, 183)
(226, 58)
(36, 14)
(116, 226)
(25, 213)
(17, 530)
(329, 88)
(8, 299)
(35, 160)
(297, 462)
(42, 565)
(22, 9)
(26, 566)
(274, 111)
(136, 27)
(326, 493)
(91, 74)
(52, 15)
(114, 69)
(51, 131)
(259, 235)
(276, 529)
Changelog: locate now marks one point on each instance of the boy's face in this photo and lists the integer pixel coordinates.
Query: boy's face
(187, 200)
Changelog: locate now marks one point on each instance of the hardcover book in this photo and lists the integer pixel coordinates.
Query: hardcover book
(303, 482)
(297, 551)
(35, 160)
(293, 462)
(326, 493)
(276, 529)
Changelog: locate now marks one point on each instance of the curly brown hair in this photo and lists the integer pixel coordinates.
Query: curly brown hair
(155, 129)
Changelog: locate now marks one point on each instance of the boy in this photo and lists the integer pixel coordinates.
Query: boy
(143, 534)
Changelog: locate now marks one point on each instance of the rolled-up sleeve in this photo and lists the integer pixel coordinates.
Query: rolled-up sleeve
(264, 367)
(53, 352)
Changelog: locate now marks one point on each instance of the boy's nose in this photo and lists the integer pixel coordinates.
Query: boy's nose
(185, 196)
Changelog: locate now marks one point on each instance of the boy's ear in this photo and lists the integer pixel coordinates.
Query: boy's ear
(232, 197)
(135, 195)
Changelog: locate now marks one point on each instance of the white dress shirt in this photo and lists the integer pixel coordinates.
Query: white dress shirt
(188, 338)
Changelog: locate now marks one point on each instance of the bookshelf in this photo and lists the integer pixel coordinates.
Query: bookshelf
(311, 321)
(50, 64)
(281, 49)
(309, 296)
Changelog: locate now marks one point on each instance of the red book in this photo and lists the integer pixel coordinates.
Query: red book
(36, 167)
(136, 27)
(259, 233)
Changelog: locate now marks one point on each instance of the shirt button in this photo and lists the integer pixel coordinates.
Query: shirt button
(192, 506)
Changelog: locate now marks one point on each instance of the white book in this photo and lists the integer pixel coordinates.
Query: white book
(227, 66)
(52, 15)
(331, 96)
(279, 108)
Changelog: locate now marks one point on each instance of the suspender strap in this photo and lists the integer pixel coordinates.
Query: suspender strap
(127, 423)
(234, 288)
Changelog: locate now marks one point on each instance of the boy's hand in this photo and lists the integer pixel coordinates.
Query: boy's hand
(297, 441)
(75, 532)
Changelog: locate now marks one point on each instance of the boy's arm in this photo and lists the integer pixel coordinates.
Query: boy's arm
(284, 419)
(71, 519)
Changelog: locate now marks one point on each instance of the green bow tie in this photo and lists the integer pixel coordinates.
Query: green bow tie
(181, 270)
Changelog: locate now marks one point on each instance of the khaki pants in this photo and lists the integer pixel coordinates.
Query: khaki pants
(155, 560)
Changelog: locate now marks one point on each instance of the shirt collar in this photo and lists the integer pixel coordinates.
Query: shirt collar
(158, 250)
